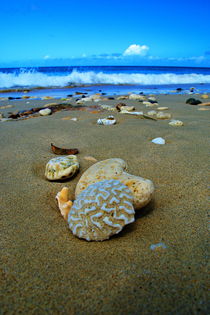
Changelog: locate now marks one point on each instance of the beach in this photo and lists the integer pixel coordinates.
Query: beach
(45, 269)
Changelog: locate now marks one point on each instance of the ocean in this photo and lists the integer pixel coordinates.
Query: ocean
(108, 79)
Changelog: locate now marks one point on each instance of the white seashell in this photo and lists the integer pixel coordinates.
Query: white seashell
(74, 119)
(176, 123)
(101, 210)
(158, 140)
(45, 112)
(106, 121)
(142, 189)
(162, 115)
(61, 167)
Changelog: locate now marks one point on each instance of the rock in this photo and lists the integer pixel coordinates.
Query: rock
(45, 112)
(61, 167)
(204, 96)
(179, 89)
(122, 97)
(162, 115)
(158, 140)
(108, 107)
(137, 97)
(176, 123)
(142, 189)
(121, 107)
(204, 104)
(110, 120)
(131, 113)
(152, 99)
(162, 108)
(152, 113)
(1, 116)
(101, 210)
(149, 104)
(193, 101)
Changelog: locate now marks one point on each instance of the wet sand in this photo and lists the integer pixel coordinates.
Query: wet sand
(47, 270)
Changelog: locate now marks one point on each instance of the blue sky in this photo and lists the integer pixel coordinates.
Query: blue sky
(105, 32)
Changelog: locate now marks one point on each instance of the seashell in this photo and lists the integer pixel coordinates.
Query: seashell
(162, 115)
(176, 123)
(110, 120)
(45, 112)
(141, 189)
(61, 167)
(158, 140)
(101, 210)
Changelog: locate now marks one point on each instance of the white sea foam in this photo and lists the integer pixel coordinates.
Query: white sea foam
(32, 78)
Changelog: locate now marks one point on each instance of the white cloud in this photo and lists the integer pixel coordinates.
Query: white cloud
(136, 50)
(46, 57)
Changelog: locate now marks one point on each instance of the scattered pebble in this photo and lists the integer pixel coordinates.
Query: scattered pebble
(158, 246)
(90, 158)
(204, 96)
(45, 112)
(162, 108)
(176, 123)
(158, 140)
(152, 113)
(162, 115)
(110, 120)
(6, 106)
(203, 108)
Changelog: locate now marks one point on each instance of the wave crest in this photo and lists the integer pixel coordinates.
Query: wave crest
(33, 78)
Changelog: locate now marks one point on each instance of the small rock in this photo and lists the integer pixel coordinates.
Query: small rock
(158, 246)
(137, 97)
(162, 115)
(193, 101)
(110, 120)
(204, 96)
(176, 123)
(45, 112)
(152, 113)
(158, 140)
(162, 108)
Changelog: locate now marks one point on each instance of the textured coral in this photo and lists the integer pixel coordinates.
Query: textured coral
(101, 211)
(142, 189)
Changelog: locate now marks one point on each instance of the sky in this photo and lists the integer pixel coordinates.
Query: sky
(105, 32)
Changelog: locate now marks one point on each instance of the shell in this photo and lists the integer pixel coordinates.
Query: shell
(61, 167)
(101, 210)
(110, 120)
(142, 189)
(45, 112)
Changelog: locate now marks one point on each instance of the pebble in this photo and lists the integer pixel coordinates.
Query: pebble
(45, 112)
(61, 167)
(162, 108)
(162, 115)
(158, 140)
(152, 113)
(158, 246)
(176, 123)
(110, 120)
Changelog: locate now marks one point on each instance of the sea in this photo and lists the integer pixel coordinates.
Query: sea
(111, 80)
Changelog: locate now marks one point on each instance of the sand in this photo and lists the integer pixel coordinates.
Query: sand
(47, 270)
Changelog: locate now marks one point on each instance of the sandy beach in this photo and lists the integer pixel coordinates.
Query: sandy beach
(45, 269)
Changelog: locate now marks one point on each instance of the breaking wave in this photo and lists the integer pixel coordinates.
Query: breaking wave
(35, 78)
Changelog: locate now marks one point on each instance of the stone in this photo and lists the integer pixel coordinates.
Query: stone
(137, 97)
(158, 140)
(61, 167)
(162, 115)
(101, 210)
(152, 113)
(45, 112)
(193, 101)
(115, 168)
(162, 108)
(110, 120)
(204, 96)
(176, 123)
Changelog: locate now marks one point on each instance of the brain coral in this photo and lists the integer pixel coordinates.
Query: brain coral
(101, 210)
